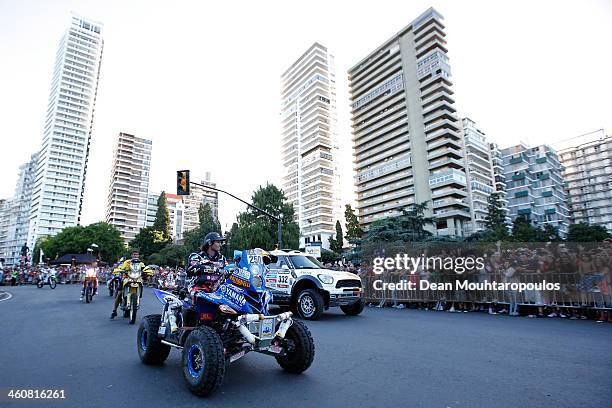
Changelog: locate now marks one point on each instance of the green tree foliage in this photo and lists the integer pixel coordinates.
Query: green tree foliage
(76, 240)
(353, 230)
(329, 256)
(408, 226)
(208, 223)
(523, 231)
(587, 233)
(162, 217)
(335, 244)
(149, 241)
(495, 221)
(171, 255)
(256, 230)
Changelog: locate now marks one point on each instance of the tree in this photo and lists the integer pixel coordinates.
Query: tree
(208, 222)
(256, 230)
(415, 221)
(162, 217)
(149, 241)
(77, 239)
(584, 232)
(353, 230)
(523, 231)
(335, 244)
(549, 234)
(171, 255)
(329, 256)
(495, 221)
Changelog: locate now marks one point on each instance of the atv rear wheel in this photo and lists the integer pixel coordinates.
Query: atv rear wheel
(203, 361)
(150, 348)
(302, 349)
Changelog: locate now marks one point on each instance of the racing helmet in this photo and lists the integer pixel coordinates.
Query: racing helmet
(210, 237)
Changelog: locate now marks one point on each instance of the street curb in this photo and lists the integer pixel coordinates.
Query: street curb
(5, 296)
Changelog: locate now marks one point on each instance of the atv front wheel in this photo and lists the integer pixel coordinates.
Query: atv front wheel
(354, 309)
(300, 349)
(150, 349)
(203, 361)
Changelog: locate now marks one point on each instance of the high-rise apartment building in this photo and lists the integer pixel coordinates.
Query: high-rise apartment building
(151, 208)
(57, 197)
(479, 172)
(534, 186)
(407, 142)
(497, 165)
(17, 214)
(129, 185)
(587, 173)
(309, 149)
(176, 210)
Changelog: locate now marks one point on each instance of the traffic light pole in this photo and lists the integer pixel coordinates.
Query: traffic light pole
(279, 220)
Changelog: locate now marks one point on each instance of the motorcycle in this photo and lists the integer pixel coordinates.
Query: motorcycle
(132, 292)
(90, 278)
(114, 283)
(47, 278)
(213, 329)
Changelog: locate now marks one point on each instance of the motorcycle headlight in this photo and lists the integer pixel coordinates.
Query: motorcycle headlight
(134, 274)
(327, 279)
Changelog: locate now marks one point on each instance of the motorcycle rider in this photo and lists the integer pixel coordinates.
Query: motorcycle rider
(92, 270)
(124, 268)
(209, 255)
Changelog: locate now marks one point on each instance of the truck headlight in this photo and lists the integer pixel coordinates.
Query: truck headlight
(327, 279)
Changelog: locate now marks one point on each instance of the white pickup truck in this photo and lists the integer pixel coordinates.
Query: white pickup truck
(299, 281)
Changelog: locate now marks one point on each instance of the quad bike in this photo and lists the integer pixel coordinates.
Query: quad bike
(217, 327)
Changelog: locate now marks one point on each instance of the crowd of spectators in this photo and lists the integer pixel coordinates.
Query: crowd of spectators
(583, 272)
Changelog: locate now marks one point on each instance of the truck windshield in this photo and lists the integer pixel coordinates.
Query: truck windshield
(305, 262)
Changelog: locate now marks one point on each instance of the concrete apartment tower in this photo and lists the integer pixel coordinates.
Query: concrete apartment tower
(15, 216)
(129, 185)
(57, 196)
(535, 187)
(309, 149)
(407, 143)
(479, 171)
(587, 169)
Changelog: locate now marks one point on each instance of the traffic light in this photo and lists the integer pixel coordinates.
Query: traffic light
(182, 182)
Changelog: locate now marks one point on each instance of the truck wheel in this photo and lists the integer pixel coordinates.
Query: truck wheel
(300, 357)
(203, 361)
(309, 304)
(354, 309)
(150, 348)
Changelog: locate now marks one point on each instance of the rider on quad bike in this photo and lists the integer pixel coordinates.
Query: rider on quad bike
(209, 256)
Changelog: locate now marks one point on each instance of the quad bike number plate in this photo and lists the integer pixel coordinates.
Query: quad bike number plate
(267, 328)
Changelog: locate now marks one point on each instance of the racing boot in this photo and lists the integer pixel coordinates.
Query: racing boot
(114, 314)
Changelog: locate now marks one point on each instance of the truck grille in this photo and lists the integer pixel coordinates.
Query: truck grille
(348, 283)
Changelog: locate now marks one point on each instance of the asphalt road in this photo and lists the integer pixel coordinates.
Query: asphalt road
(383, 358)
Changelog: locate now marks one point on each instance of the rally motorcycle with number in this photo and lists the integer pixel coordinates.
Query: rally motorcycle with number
(213, 329)
(132, 292)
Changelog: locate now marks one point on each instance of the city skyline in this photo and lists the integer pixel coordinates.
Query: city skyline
(191, 127)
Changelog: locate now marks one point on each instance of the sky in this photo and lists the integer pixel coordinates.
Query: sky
(202, 79)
